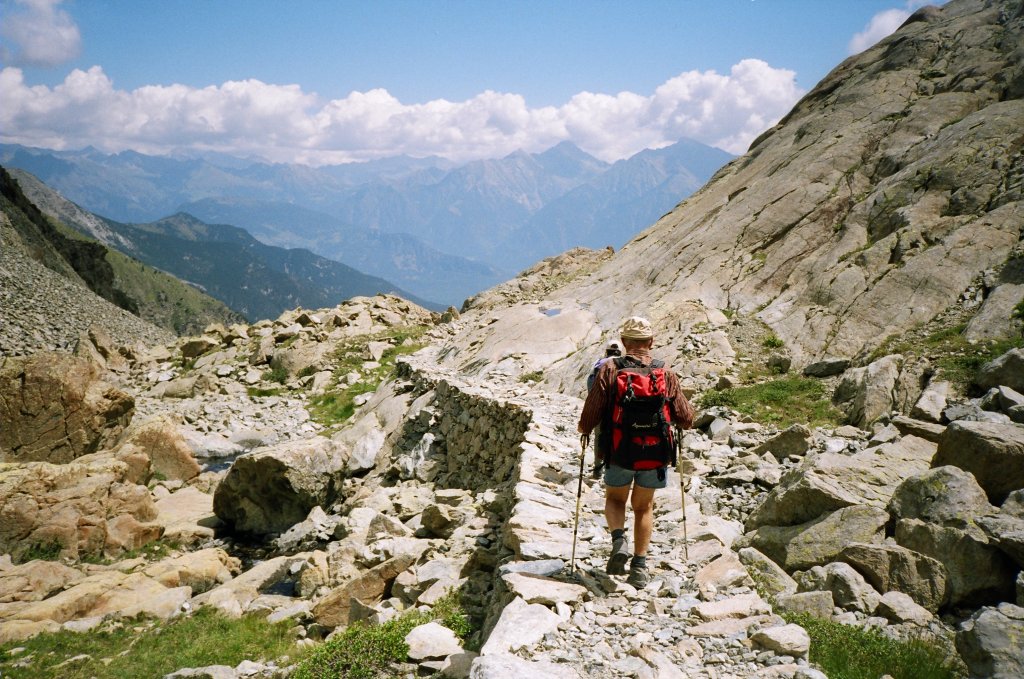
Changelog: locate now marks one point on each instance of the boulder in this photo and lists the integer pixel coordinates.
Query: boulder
(160, 439)
(891, 567)
(194, 347)
(271, 489)
(186, 516)
(301, 357)
(977, 572)
(1006, 370)
(790, 640)
(736, 606)
(827, 367)
(236, 596)
(724, 572)
(201, 571)
(831, 481)
(900, 608)
(66, 507)
(932, 402)
(792, 441)
(848, 587)
(818, 604)
(537, 589)
(1006, 528)
(992, 452)
(908, 426)
(431, 640)
(989, 642)
(866, 394)
(770, 579)
(96, 344)
(56, 407)
(944, 495)
(821, 540)
(519, 625)
(367, 588)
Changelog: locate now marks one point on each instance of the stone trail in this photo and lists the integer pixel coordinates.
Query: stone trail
(699, 617)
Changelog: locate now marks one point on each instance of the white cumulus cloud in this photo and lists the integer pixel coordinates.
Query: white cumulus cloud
(285, 124)
(36, 33)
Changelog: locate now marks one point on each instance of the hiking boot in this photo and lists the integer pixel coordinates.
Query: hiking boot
(620, 555)
(639, 576)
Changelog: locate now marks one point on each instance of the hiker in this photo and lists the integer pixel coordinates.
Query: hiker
(636, 440)
(612, 351)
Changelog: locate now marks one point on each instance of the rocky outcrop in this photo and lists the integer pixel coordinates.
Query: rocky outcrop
(992, 452)
(86, 507)
(57, 407)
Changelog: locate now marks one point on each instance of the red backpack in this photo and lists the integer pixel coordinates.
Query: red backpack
(641, 437)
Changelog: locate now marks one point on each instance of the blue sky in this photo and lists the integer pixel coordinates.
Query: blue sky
(336, 81)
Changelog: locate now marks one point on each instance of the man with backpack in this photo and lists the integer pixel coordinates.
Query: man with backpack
(636, 401)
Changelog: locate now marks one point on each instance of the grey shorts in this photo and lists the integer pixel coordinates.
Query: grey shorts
(617, 477)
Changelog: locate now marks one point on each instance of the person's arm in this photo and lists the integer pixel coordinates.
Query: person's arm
(597, 400)
(679, 407)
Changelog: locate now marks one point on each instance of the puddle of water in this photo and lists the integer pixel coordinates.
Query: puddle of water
(552, 312)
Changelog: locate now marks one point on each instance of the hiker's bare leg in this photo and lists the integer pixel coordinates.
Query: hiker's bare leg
(615, 498)
(643, 515)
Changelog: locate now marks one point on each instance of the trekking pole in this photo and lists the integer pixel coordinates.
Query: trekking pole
(682, 491)
(584, 442)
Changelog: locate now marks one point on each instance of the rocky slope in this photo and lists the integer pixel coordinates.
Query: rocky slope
(905, 161)
(444, 481)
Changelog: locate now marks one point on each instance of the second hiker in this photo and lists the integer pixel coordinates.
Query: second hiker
(635, 400)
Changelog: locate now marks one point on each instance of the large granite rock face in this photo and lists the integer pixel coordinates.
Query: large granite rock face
(992, 452)
(56, 407)
(271, 489)
(944, 495)
(160, 440)
(831, 481)
(78, 508)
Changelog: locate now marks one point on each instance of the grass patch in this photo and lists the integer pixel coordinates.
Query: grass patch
(257, 392)
(784, 401)
(956, 359)
(336, 405)
(848, 652)
(367, 651)
(145, 648)
(532, 376)
(772, 342)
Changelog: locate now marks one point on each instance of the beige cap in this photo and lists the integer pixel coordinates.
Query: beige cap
(637, 328)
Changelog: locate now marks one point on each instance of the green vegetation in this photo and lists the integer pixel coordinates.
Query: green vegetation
(367, 651)
(849, 652)
(42, 551)
(337, 404)
(783, 401)
(532, 376)
(956, 358)
(257, 392)
(278, 374)
(772, 342)
(148, 648)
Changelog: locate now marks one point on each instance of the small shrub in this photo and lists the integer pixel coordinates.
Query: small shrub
(42, 551)
(278, 374)
(772, 342)
(533, 376)
(850, 652)
(367, 651)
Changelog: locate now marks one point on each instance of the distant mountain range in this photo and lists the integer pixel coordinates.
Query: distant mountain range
(226, 262)
(443, 231)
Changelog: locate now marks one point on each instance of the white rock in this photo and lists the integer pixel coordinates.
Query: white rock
(432, 640)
